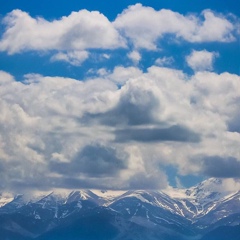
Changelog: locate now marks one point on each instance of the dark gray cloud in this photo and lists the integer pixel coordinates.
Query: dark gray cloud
(93, 161)
(174, 133)
(135, 107)
(220, 167)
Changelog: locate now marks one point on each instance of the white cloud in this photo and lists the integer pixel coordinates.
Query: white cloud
(216, 93)
(134, 56)
(49, 121)
(85, 30)
(75, 58)
(5, 78)
(121, 75)
(102, 72)
(201, 60)
(214, 28)
(230, 184)
(106, 56)
(164, 61)
(78, 31)
(144, 26)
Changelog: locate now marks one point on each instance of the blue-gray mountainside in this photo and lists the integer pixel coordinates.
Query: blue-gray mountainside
(203, 212)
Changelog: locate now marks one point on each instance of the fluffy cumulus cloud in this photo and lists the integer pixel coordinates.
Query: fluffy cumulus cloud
(75, 58)
(137, 25)
(62, 132)
(201, 60)
(120, 75)
(143, 26)
(135, 56)
(78, 31)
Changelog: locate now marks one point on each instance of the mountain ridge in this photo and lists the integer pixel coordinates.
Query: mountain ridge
(169, 214)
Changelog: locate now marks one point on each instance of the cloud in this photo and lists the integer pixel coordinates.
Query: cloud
(173, 133)
(221, 167)
(134, 56)
(5, 78)
(76, 32)
(84, 30)
(55, 129)
(120, 75)
(217, 93)
(230, 184)
(136, 106)
(234, 123)
(118, 126)
(143, 26)
(142, 100)
(75, 58)
(201, 60)
(149, 181)
(164, 61)
(94, 161)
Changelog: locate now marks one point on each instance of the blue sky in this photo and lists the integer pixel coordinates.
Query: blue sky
(118, 95)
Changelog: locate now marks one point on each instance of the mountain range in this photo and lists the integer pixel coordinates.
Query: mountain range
(203, 212)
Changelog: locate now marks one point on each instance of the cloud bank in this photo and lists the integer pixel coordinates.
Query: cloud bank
(118, 127)
(94, 134)
(71, 37)
(143, 26)
(78, 31)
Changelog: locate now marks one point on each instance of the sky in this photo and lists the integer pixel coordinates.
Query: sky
(118, 94)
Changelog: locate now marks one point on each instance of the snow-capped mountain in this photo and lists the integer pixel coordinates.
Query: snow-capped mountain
(208, 202)
(83, 214)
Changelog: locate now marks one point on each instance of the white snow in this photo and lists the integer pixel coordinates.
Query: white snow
(179, 211)
(210, 208)
(138, 196)
(186, 207)
(84, 195)
(163, 205)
